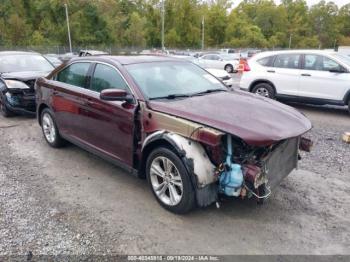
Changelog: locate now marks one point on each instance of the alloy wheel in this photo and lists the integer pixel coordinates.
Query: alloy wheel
(49, 128)
(166, 181)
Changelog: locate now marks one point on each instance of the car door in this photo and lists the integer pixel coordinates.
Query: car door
(323, 78)
(108, 125)
(67, 102)
(285, 73)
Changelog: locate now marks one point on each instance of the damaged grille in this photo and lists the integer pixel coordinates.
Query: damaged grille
(282, 161)
(30, 83)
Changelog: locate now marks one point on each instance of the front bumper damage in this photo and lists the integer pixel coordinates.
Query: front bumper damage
(19, 101)
(247, 171)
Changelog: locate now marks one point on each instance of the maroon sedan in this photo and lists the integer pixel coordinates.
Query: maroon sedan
(174, 123)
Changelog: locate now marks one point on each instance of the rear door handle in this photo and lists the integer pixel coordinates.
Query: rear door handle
(305, 74)
(271, 71)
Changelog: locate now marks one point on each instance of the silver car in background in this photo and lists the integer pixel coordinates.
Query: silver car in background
(228, 62)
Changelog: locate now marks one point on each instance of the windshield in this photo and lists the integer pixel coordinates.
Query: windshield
(171, 79)
(21, 63)
(344, 58)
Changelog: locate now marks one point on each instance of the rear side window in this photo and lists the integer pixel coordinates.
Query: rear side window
(265, 61)
(75, 74)
(106, 77)
(287, 61)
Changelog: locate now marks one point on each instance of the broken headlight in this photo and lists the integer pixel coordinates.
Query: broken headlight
(14, 84)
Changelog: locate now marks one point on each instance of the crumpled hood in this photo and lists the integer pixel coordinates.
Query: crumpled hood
(25, 76)
(257, 120)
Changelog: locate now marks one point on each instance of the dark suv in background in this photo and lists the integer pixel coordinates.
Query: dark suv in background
(18, 73)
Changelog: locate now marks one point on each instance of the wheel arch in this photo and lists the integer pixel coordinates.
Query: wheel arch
(157, 139)
(347, 97)
(192, 154)
(40, 109)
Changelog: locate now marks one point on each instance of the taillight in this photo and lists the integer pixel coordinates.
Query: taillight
(246, 67)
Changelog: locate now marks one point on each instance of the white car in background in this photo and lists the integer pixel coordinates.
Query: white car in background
(228, 62)
(221, 75)
(307, 76)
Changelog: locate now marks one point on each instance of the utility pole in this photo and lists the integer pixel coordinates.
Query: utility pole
(163, 11)
(69, 38)
(203, 32)
(290, 40)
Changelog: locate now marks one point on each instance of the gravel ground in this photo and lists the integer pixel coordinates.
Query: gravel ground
(68, 201)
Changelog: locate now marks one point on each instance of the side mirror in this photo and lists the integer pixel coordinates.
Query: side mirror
(116, 95)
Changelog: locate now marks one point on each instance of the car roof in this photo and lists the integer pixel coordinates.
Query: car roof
(18, 53)
(309, 51)
(127, 60)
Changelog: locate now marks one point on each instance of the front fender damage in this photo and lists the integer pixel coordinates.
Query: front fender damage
(196, 161)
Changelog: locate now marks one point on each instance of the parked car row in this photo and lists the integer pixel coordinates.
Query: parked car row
(167, 120)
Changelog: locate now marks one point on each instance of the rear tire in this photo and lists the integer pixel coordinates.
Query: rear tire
(265, 90)
(169, 181)
(50, 130)
(349, 106)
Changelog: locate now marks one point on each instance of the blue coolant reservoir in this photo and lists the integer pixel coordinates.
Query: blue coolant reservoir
(231, 179)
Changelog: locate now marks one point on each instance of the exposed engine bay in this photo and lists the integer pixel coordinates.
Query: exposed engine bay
(221, 163)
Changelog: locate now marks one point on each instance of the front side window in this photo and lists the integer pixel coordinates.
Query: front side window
(106, 77)
(75, 74)
(287, 61)
(320, 63)
(162, 79)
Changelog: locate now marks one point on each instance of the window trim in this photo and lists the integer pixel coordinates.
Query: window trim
(322, 55)
(92, 72)
(299, 62)
(269, 63)
(68, 65)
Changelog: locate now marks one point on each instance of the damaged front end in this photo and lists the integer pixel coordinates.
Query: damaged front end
(221, 163)
(18, 96)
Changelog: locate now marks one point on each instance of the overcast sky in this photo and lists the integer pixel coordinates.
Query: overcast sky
(340, 3)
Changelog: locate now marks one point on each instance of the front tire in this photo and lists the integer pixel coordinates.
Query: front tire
(265, 90)
(50, 130)
(169, 181)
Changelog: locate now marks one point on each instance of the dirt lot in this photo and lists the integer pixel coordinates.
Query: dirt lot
(68, 201)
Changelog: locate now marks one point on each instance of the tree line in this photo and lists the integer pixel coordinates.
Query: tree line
(137, 23)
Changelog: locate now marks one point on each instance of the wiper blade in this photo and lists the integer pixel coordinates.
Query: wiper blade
(210, 91)
(171, 96)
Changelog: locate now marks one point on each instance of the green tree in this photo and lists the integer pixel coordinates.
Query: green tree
(135, 32)
(323, 23)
